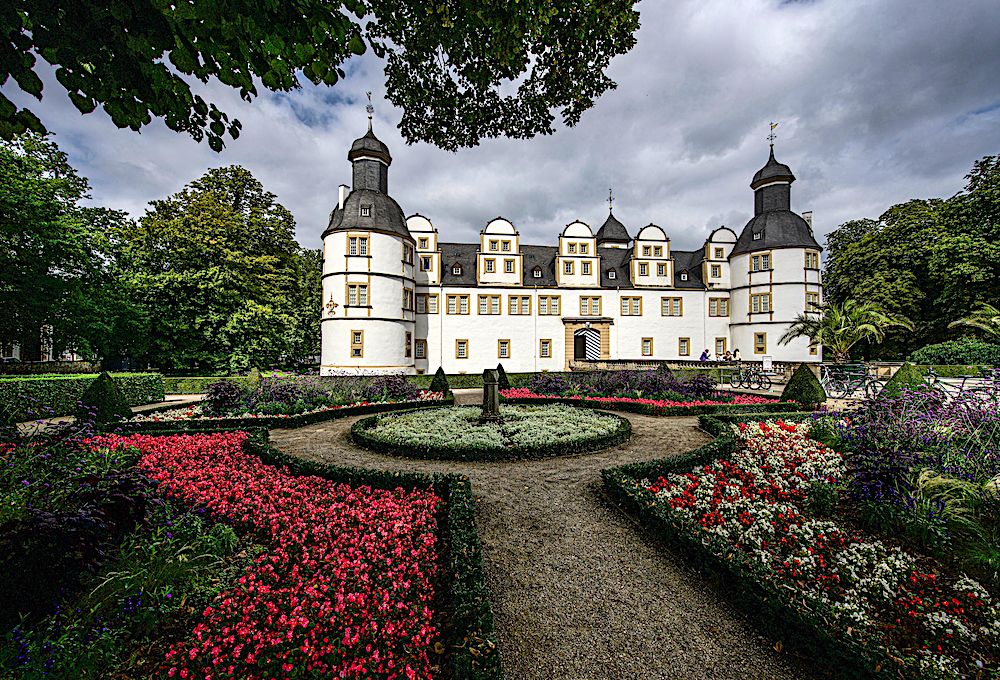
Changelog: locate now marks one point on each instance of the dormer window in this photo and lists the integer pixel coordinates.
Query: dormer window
(684, 276)
(456, 270)
(758, 235)
(572, 247)
(645, 251)
(494, 245)
(423, 244)
(657, 251)
(505, 246)
(537, 272)
(366, 211)
(612, 274)
(583, 248)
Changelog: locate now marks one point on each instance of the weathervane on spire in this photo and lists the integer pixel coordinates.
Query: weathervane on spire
(771, 137)
(611, 200)
(370, 109)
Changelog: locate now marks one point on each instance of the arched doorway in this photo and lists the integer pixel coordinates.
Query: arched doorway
(587, 344)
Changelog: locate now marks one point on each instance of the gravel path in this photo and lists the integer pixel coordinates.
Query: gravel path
(578, 590)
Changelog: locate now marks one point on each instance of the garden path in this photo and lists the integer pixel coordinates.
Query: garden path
(578, 590)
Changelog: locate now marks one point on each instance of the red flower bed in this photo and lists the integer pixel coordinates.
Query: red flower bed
(344, 592)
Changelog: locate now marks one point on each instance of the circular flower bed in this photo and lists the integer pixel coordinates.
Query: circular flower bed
(525, 432)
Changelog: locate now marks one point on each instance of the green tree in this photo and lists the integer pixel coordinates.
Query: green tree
(57, 279)
(840, 327)
(445, 63)
(986, 318)
(217, 268)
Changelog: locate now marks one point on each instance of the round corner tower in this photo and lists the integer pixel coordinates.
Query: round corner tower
(368, 284)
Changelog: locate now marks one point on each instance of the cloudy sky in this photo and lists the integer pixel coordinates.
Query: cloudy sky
(877, 102)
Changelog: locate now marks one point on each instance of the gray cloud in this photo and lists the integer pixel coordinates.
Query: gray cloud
(877, 103)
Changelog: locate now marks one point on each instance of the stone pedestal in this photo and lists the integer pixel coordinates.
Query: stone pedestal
(491, 397)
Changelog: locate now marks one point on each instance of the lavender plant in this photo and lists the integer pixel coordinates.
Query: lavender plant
(650, 384)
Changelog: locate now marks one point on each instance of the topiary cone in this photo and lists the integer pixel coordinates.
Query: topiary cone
(908, 377)
(804, 387)
(103, 402)
(502, 382)
(440, 382)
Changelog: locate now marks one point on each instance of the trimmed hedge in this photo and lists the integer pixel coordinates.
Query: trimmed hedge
(651, 410)
(190, 384)
(777, 611)
(956, 352)
(103, 402)
(907, 377)
(951, 370)
(49, 396)
(360, 437)
(471, 638)
(804, 387)
(276, 422)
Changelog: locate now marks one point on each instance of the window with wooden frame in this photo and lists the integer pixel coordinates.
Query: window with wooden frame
(407, 300)
(357, 344)
(508, 266)
(812, 302)
(718, 306)
(357, 295)
(425, 263)
(671, 306)
(612, 274)
(427, 303)
(813, 349)
(456, 270)
(643, 269)
(647, 347)
(583, 248)
(719, 253)
(761, 262)
(489, 305)
(657, 251)
(407, 253)
(716, 271)
(458, 304)
(518, 305)
(760, 304)
(536, 272)
(585, 269)
(684, 347)
(631, 306)
(490, 266)
(759, 343)
(494, 246)
(548, 305)
(505, 246)
(503, 349)
(646, 250)
(422, 243)
(544, 349)
(765, 261)
(461, 349)
(720, 346)
(661, 269)
(812, 260)
(421, 349)
(590, 306)
(409, 344)
(357, 245)
(571, 248)
(568, 267)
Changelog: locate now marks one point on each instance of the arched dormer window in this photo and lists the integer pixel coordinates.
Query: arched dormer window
(456, 270)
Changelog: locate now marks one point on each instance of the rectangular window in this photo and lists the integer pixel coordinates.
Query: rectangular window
(586, 268)
(407, 253)
(353, 249)
(684, 347)
(407, 300)
(718, 307)
(568, 267)
(572, 248)
(590, 306)
(583, 248)
(759, 343)
(765, 261)
(495, 304)
(526, 305)
(366, 211)
(357, 295)
(647, 347)
(421, 349)
(756, 263)
(458, 304)
(357, 343)
(671, 307)
(362, 246)
(512, 305)
(506, 246)
(503, 349)
(657, 251)
(544, 348)
(812, 260)
(645, 251)
(489, 304)
(490, 266)
(508, 265)
(720, 346)
(643, 269)
(423, 243)
(421, 304)
(812, 302)
(432, 304)
(453, 304)
(612, 274)
(719, 253)
(461, 349)
(548, 305)
(409, 345)
(813, 349)
(631, 306)
(494, 246)
(543, 305)
(661, 269)
(716, 271)
(425, 263)
(517, 305)
(760, 304)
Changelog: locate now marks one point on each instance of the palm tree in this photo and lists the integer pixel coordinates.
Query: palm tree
(840, 327)
(986, 318)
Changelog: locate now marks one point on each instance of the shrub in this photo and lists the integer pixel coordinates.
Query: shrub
(440, 381)
(548, 383)
(908, 377)
(502, 382)
(103, 402)
(222, 397)
(804, 387)
(34, 397)
(958, 352)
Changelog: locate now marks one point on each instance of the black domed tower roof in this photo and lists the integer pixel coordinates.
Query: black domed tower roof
(612, 231)
(774, 225)
(371, 146)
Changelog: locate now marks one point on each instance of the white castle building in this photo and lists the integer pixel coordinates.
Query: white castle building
(397, 299)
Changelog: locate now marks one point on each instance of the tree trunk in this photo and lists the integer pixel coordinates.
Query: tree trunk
(841, 357)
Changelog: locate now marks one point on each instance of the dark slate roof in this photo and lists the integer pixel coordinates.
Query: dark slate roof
(617, 259)
(386, 215)
(612, 230)
(463, 254)
(771, 172)
(539, 256)
(782, 229)
(689, 261)
(369, 145)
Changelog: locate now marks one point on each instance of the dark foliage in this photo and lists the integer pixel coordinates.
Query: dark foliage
(502, 382)
(804, 387)
(440, 381)
(963, 352)
(908, 377)
(656, 384)
(103, 402)
(222, 397)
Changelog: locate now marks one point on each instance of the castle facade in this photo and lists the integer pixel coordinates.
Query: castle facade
(397, 299)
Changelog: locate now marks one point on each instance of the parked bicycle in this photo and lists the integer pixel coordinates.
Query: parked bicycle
(843, 380)
(749, 377)
(981, 389)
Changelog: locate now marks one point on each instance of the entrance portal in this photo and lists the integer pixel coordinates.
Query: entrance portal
(587, 344)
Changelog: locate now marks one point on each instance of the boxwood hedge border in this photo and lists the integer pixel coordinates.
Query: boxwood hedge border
(361, 437)
(776, 610)
(274, 422)
(52, 396)
(653, 410)
(471, 639)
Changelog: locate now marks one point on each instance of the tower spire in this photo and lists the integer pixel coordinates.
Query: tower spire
(771, 137)
(371, 109)
(611, 200)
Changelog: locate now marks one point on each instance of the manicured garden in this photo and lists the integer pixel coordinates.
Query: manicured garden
(866, 540)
